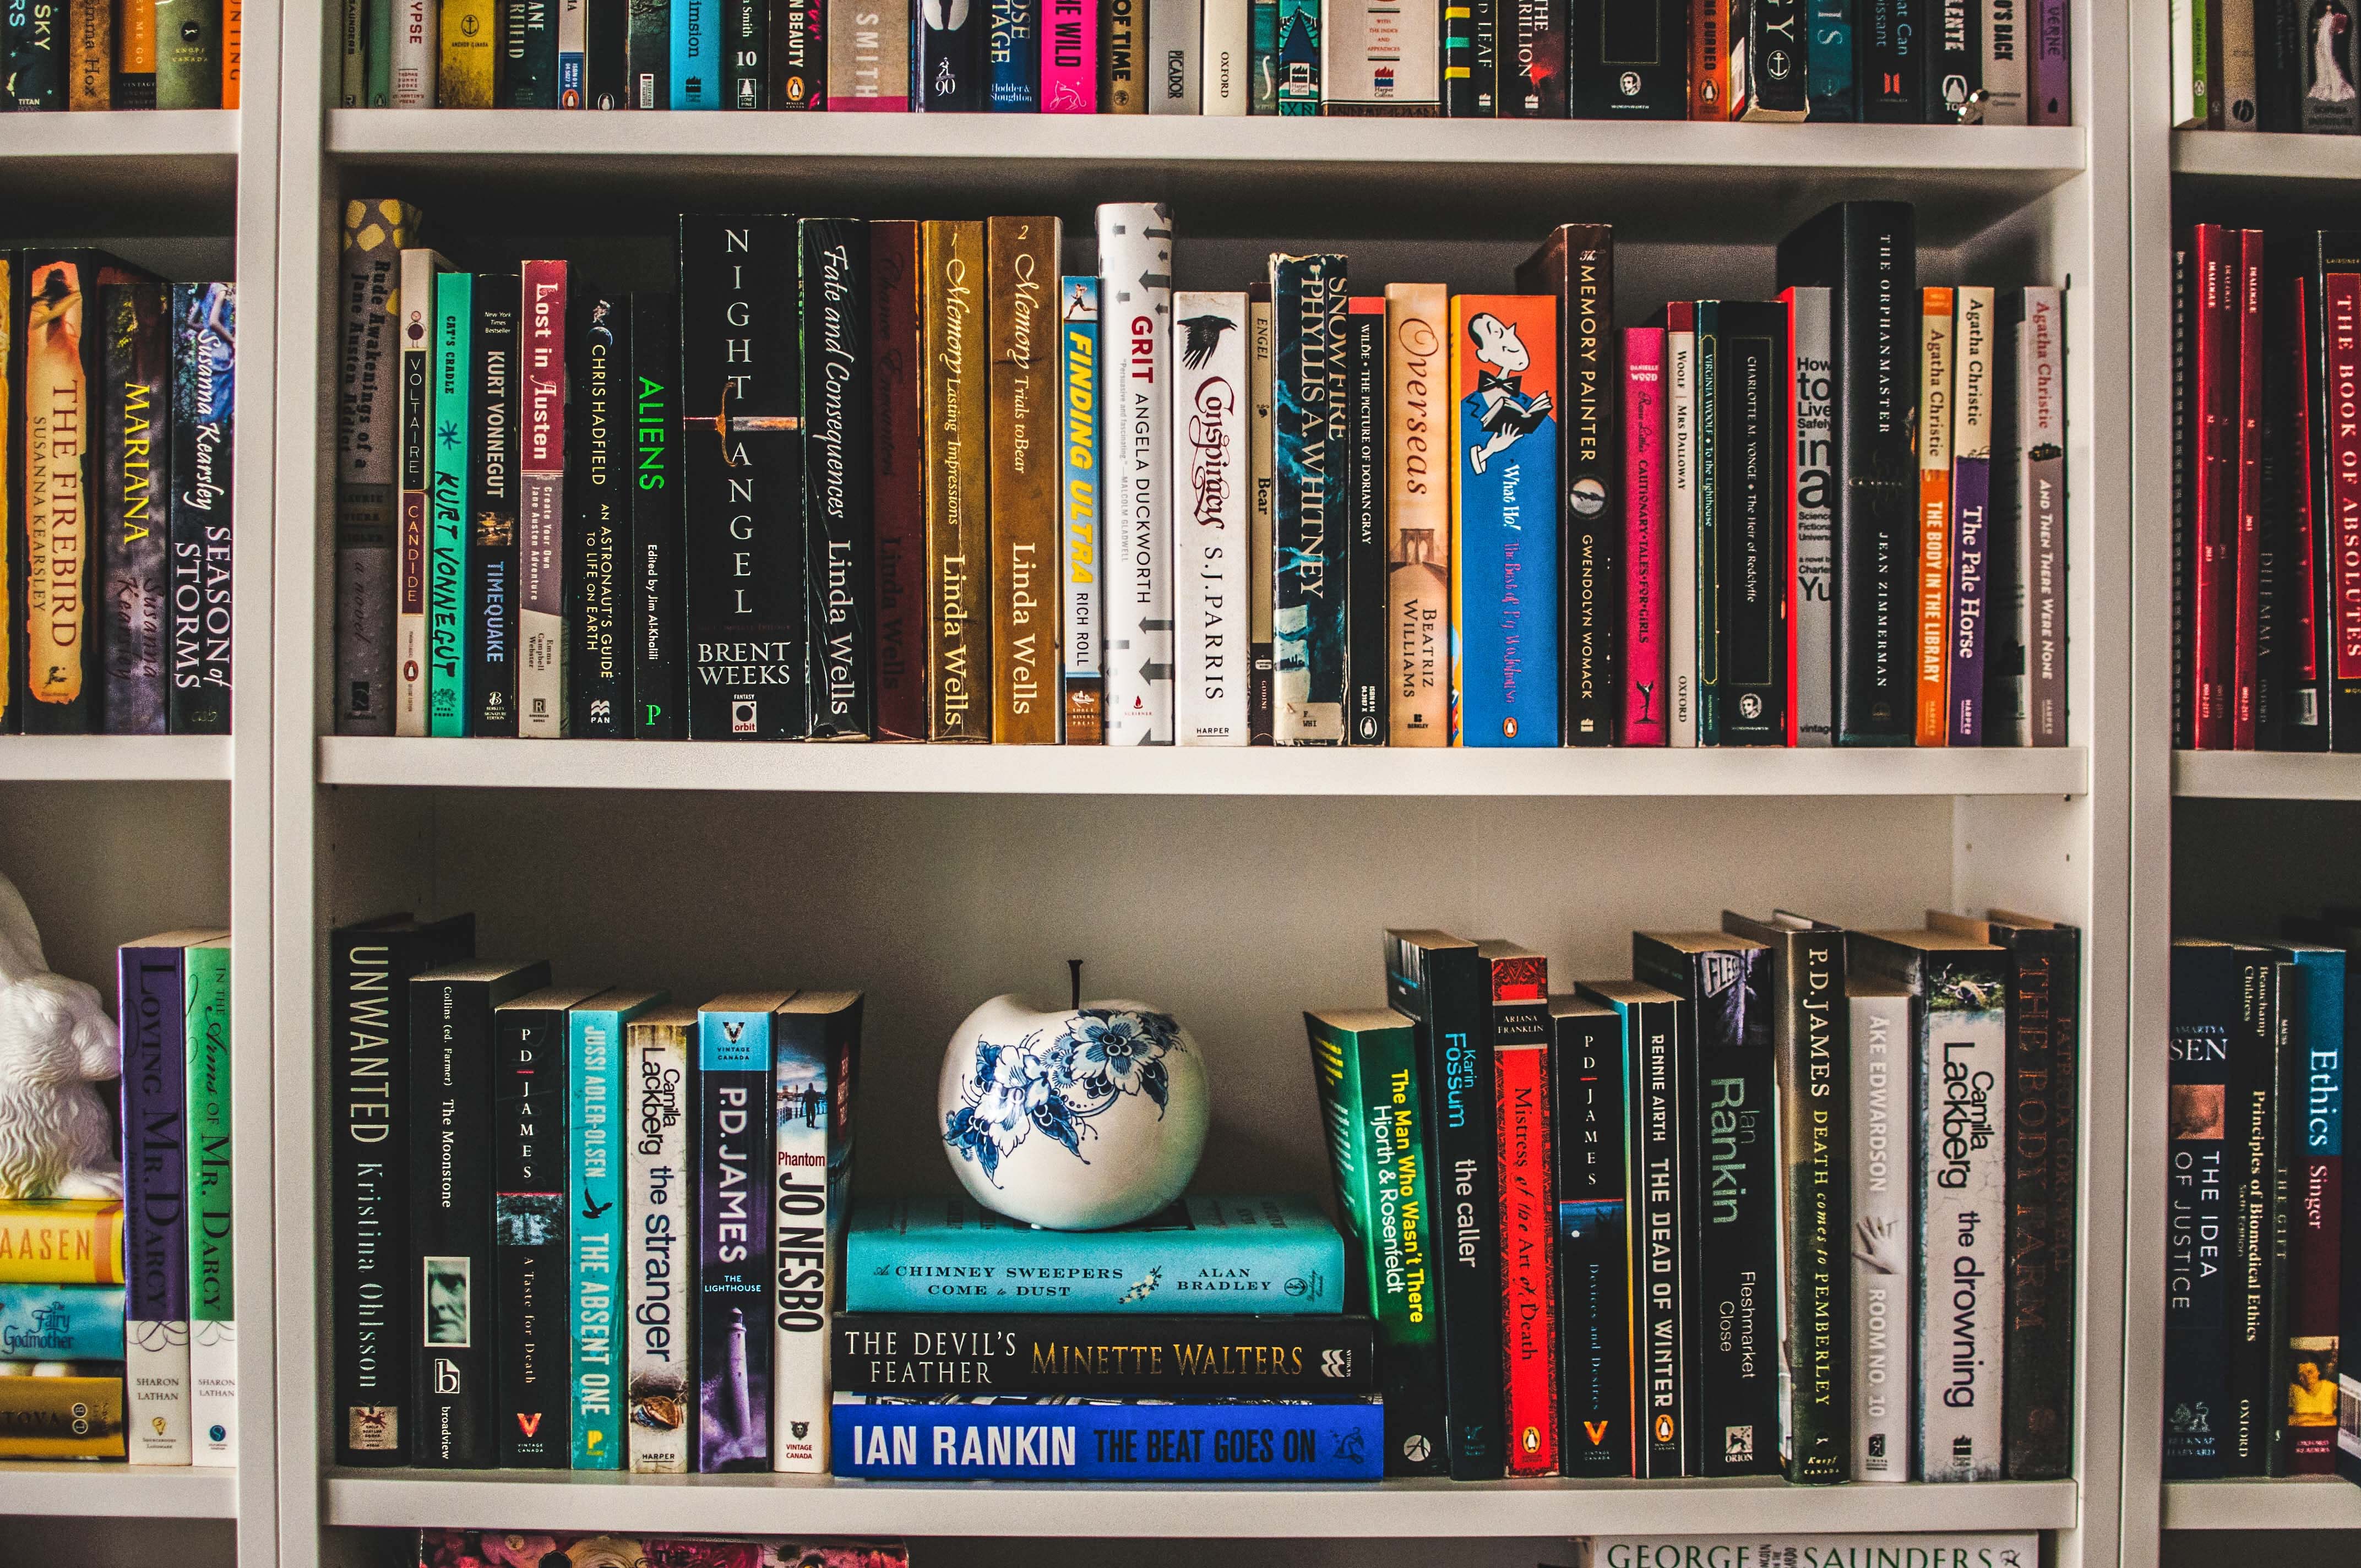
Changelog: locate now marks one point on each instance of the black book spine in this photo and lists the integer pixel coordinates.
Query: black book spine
(2206, 1032)
(606, 36)
(1484, 42)
(1660, 1206)
(1815, 1101)
(1465, 96)
(1532, 65)
(2044, 1048)
(2290, 1108)
(799, 54)
(647, 67)
(741, 464)
(35, 44)
(1775, 80)
(840, 541)
(1627, 59)
(1173, 1357)
(733, 1145)
(1594, 1271)
(531, 1067)
(597, 498)
(204, 370)
(1363, 479)
(136, 458)
(1442, 990)
(491, 614)
(2253, 1405)
(950, 73)
(1754, 504)
(659, 708)
(746, 28)
(1893, 83)
(528, 78)
(1955, 64)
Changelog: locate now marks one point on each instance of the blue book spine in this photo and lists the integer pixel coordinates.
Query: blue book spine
(446, 557)
(1298, 57)
(1829, 61)
(595, 1204)
(1043, 1439)
(733, 1143)
(61, 1322)
(1504, 545)
(697, 72)
(1015, 58)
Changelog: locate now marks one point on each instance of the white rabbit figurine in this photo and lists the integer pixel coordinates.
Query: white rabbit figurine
(56, 1041)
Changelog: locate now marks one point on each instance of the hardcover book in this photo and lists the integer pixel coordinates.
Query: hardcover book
(135, 485)
(447, 529)
(1174, 1355)
(734, 1141)
(1418, 516)
(1021, 271)
(658, 568)
(213, 1285)
(1627, 61)
(978, 1438)
(152, 1012)
(1522, 1071)
(816, 1048)
(1883, 1262)
(542, 671)
(1892, 45)
(2335, 288)
(2209, 984)
(1504, 545)
(1362, 485)
(897, 458)
(1648, 588)
(840, 554)
(1971, 543)
(189, 55)
(1123, 40)
(868, 57)
(1135, 316)
(1209, 512)
(1081, 503)
(61, 1418)
(1532, 45)
(1811, 624)
(957, 403)
(659, 1252)
(205, 393)
(367, 424)
(1770, 78)
(1745, 523)
(598, 519)
(594, 1196)
(1590, 1111)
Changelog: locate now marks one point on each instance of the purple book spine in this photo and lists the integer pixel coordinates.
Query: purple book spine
(2050, 101)
(152, 1005)
(733, 1148)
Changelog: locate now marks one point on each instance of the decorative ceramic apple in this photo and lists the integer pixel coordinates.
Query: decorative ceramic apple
(1076, 1120)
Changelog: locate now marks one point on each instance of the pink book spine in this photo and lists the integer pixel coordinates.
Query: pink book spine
(1070, 57)
(1645, 497)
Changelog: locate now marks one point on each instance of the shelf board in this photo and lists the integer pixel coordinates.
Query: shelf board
(116, 1491)
(2253, 155)
(96, 758)
(821, 1505)
(512, 169)
(2300, 1502)
(1194, 771)
(2267, 775)
(151, 171)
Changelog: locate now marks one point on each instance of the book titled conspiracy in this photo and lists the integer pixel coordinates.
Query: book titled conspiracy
(1045, 1437)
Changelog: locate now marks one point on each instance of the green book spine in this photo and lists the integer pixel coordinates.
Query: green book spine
(1365, 1067)
(446, 560)
(213, 1314)
(378, 32)
(187, 54)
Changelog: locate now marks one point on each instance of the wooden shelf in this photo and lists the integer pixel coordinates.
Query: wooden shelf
(114, 757)
(1194, 771)
(2305, 1502)
(2267, 775)
(116, 1491)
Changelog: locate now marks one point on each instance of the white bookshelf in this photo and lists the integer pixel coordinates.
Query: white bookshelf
(2305, 1503)
(2266, 776)
(115, 758)
(116, 1492)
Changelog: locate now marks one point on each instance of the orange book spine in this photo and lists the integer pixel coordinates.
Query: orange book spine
(232, 14)
(1709, 60)
(1934, 515)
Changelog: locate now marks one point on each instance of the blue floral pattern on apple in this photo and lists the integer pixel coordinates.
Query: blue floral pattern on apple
(1100, 1056)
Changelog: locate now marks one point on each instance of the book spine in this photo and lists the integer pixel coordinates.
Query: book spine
(2234, 64)
(839, 553)
(1812, 619)
(1118, 84)
(1262, 519)
(152, 1012)
(734, 1149)
(1209, 485)
(647, 54)
(1529, 1305)
(1970, 586)
(1503, 527)
(1770, 77)
(2198, 1213)
(741, 466)
(465, 66)
(1135, 316)
(134, 506)
(1363, 486)
(188, 56)
(1713, 573)
(2184, 521)
(1662, 1361)
(2041, 506)
(1366, 69)
(2246, 518)
(379, 29)
(1021, 265)
(2050, 80)
(13, 449)
(1176, 42)
(205, 393)
(811, 1055)
(1815, 1147)
(1607, 79)
(1309, 529)
(1645, 547)
(573, 46)
(1161, 1357)
(897, 462)
(446, 506)
(798, 54)
(532, 1244)
(878, 1440)
(86, 1323)
(658, 1255)
(1883, 1159)
(1894, 87)
(1459, 89)
(594, 1195)
(1709, 59)
(213, 1285)
(659, 654)
(492, 513)
(869, 56)
(2037, 1375)
(61, 1418)
(1298, 56)
(60, 391)
(76, 1242)
(1962, 1100)
(606, 82)
(1830, 55)
(1734, 1241)
(1533, 53)
(541, 673)
(1070, 59)
(1934, 618)
(948, 60)
(2213, 412)
(528, 78)
(367, 426)
(1592, 572)
(1681, 524)
(1954, 65)
(134, 84)
(2249, 1135)
(450, 1169)
(1751, 500)
(2005, 62)
(746, 41)
(417, 55)
(598, 672)
(957, 403)
(2317, 1217)
(1417, 517)
(1228, 83)
(1082, 574)
(2337, 285)
(699, 69)
(1594, 1277)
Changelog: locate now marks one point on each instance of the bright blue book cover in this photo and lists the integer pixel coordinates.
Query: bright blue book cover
(698, 76)
(446, 481)
(1829, 61)
(735, 1144)
(1013, 41)
(1201, 1254)
(61, 1322)
(595, 1201)
(1008, 1438)
(1504, 524)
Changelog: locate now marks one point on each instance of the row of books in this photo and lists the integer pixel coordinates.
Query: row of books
(2266, 65)
(116, 391)
(1205, 516)
(650, 1197)
(1639, 1265)
(120, 54)
(2267, 475)
(1937, 61)
(541, 1548)
(2258, 1240)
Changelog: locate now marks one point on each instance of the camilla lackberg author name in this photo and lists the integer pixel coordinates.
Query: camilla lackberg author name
(1036, 1438)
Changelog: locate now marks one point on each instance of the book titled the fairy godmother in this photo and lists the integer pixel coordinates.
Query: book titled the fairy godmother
(1504, 596)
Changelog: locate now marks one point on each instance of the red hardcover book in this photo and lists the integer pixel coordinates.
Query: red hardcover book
(2299, 645)
(1646, 490)
(898, 459)
(1518, 982)
(2214, 329)
(2340, 327)
(2247, 636)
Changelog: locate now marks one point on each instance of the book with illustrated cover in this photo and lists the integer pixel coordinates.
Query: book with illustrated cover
(1021, 257)
(597, 517)
(1533, 55)
(897, 463)
(984, 1437)
(134, 507)
(595, 1196)
(205, 393)
(660, 1246)
(839, 556)
(814, 1058)
(447, 530)
(152, 1009)
(955, 390)
(1081, 564)
(1589, 1111)
(1362, 489)
(1298, 56)
(1417, 642)
(1300, 1357)
(547, 565)
(492, 513)
(734, 1141)
(213, 1285)
(367, 435)
(1504, 533)
(1136, 317)
(659, 567)
(1209, 517)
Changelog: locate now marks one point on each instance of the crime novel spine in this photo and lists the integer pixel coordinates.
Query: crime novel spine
(1070, 57)
(1971, 545)
(446, 506)
(367, 426)
(816, 1041)
(1811, 634)
(135, 477)
(1136, 317)
(1261, 518)
(492, 511)
(598, 503)
(594, 1189)
(1647, 592)
(152, 1014)
(1312, 531)
(879, 1437)
(1658, 1265)
(2198, 1219)
(1014, 57)
(213, 1284)
(1635, 74)
(1081, 687)
(1532, 48)
(746, 44)
(659, 1251)
(1955, 63)
(799, 64)
(1523, 1068)
(1938, 349)
(2041, 506)
(528, 77)
(658, 629)
(1708, 40)
(868, 57)
(699, 72)
(897, 463)
(1892, 44)
(532, 1238)
(1209, 493)
(733, 1143)
(205, 391)
(1371, 1099)
(1158, 1357)
(1504, 545)
(1589, 1112)
(1746, 495)
(741, 467)
(1681, 522)
(1379, 59)
(839, 553)
(1575, 267)
(542, 671)
(1417, 637)
(948, 60)
(1298, 56)
(957, 405)
(1883, 1157)
(1364, 491)
(1020, 311)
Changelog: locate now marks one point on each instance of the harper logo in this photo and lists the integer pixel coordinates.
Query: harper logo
(1335, 1364)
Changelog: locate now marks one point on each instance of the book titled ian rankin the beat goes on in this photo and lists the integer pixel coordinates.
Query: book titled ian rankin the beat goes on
(887, 481)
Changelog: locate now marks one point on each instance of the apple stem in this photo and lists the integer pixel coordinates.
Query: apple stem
(1074, 970)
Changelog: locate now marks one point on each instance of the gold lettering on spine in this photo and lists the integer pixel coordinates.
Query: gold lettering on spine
(55, 447)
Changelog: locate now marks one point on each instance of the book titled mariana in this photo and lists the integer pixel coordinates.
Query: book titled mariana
(1201, 1255)
(1044, 1438)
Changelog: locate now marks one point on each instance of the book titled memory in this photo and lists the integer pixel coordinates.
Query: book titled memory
(1171, 1355)
(1049, 1438)
(1504, 528)
(815, 1047)
(1209, 517)
(1309, 514)
(659, 1249)
(1418, 515)
(595, 1178)
(1136, 324)
(1269, 1255)
(1081, 567)
(954, 374)
(733, 1139)
(152, 1012)
(1021, 265)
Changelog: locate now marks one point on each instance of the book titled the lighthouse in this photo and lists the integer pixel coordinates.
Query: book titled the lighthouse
(734, 1142)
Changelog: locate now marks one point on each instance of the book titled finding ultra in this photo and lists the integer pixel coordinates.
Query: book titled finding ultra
(1079, 581)
(1042, 1437)
(1201, 1255)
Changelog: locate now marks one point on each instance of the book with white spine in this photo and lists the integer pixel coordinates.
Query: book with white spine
(1176, 58)
(417, 61)
(1226, 63)
(1209, 516)
(660, 1242)
(1135, 326)
(1680, 530)
(1982, 1550)
(1883, 1256)
(815, 1042)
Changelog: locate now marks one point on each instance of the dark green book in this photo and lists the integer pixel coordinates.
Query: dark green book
(187, 54)
(528, 55)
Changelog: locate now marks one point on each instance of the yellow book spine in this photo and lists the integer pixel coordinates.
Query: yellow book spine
(135, 37)
(1419, 454)
(1022, 255)
(8, 606)
(60, 1242)
(61, 1418)
(464, 78)
(233, 22)
(90, 58)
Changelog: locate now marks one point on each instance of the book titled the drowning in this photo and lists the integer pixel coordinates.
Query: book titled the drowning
(1046, 1438)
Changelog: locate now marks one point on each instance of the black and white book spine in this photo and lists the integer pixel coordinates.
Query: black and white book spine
(531, 1237)
(1606, 79)
(2041, 515)
(598, 505)
(1962, 1099)
(1955, 63)
(543, 544)
(2006, 41)
(660, 1240)
(815, 1042)
(366, 430)
(1227, 77)
(1135, 326)
(746, 35)
(417, 38)
(1366, 624)
(1812, 597)
(1681, 530)
(659, 658)
(2209, 984)
(1209, 490)
(950, 73)
(1381, 58)
(1176, 55)
(1659, 1200)
(2251, 1111)
(839, 556)
(1746, 497)
(1769, 61)
(1883, 1258)
(1260, 517)
(491, 521)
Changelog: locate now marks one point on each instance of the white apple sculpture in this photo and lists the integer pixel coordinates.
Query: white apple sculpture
(1077, 1120)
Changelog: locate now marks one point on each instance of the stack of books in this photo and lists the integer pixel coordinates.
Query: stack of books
(61, 1385)
(1206, 1343)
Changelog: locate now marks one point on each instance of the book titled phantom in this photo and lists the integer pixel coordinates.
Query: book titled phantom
(1045, 1438)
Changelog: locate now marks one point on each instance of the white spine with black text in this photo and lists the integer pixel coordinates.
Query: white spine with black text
(1812, 346)
(1883, 1256)
(1209, 516)
(660, 1244)
(1135, 353)
(1962, 1099)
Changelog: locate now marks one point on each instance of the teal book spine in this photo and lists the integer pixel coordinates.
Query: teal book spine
(1298, 57)
(378, 22)
(596, 1149)
(60, 1322)
(447, 501)
(1275, 1255)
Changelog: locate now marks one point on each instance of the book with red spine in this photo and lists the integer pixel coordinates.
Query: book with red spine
(896, 460)
(2246, 654)
(540, 466)
(2337, 285)
(1935, 362)
(2214, 330)
(1518, 984)
(1646, 640)
(2302, 650)
(1709, 59)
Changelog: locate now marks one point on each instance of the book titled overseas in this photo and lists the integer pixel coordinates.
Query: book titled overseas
(1417, 510)
(1504, 533)
(1174, 1354)
(595, 1137)
(815, 1050)
(1044, 1438)
(659, 1247)
(1269, 1255)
